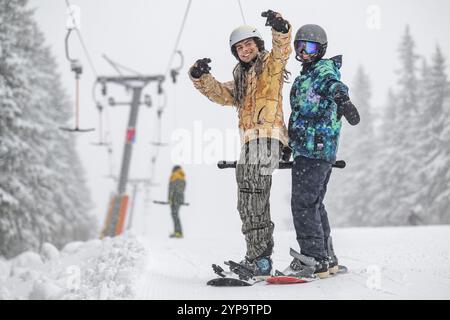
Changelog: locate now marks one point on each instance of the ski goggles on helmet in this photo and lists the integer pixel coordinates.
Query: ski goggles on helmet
(307, 46)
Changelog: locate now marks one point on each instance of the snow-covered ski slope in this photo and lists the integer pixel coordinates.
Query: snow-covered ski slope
(384, 263)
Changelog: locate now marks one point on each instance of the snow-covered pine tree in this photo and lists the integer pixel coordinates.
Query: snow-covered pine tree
(409, 105)
(423, 145)
(441, 205)
(14, 150)
(70, 199)
(381, 202)
(364, 149)
(395, 197)
(351, 187)
(42, 193)
(431, 151)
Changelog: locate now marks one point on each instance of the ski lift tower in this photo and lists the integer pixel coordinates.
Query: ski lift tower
(115, 218)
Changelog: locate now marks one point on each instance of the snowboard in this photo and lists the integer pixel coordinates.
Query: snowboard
(231, 282)
(280, 278)
(288, 280)
(341, 270)
(238, 276)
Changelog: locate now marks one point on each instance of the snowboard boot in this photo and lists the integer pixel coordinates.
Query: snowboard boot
(333, 265)
(332, 259)
(305, 266)
(176, 234)
(261, 267)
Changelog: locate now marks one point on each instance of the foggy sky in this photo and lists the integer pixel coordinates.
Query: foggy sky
(141, 35)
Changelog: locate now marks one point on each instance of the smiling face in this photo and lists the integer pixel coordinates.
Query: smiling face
(307, 57)
(247, 50)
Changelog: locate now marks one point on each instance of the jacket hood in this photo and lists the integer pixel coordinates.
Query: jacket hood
(177, 175)
(337, 61)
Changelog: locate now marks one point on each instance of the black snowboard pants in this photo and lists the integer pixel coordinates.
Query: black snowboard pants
(309, 185)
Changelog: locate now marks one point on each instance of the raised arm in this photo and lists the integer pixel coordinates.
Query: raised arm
(221, 93)
(281, 37)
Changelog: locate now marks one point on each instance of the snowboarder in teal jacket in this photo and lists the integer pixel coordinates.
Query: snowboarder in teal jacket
(318, 101)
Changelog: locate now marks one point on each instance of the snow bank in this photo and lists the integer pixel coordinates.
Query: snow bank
(97, 269)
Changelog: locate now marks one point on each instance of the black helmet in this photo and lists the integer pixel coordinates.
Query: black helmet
(311, 33)
(175, 168)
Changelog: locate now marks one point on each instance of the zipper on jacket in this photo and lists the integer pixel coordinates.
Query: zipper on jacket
(259, 115)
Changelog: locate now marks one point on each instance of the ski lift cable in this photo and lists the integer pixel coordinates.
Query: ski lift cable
(77, 68)
(159, 118)
(174, 72)
(178, 38)
(159, 126)
(118, 66)
(242, 11)
(80, 37)
(107, 137)
(172, 56)
(155, 154)
(104, 132)
(175, 51)
(112, 64)
(103, 115)
(100, 113)
(128, 69)
(158, 134)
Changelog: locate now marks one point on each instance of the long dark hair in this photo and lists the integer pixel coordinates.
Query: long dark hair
(240, 71)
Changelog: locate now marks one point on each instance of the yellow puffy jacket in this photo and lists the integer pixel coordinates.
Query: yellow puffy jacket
(262, 113)
(177, 185)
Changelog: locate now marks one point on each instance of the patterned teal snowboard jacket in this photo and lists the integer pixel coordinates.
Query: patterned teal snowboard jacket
(313, 126)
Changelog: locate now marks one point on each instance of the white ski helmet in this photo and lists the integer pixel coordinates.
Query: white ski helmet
(243, 32)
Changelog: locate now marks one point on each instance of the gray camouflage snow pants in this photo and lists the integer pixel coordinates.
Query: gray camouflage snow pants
(257, 161)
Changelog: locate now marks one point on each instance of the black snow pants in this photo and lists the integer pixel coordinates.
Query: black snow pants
(309, 185)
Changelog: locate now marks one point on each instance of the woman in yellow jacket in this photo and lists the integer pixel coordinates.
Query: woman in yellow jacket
(256, 92)
(177, 185)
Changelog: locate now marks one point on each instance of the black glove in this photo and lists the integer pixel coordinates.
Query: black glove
(278, 23)
(346, 108)
(286, 153)
(200, 68)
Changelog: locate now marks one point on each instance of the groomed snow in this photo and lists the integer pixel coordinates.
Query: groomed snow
(384, 263)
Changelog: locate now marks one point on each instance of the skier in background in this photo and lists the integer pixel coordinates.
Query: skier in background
(318, 101)
(256, 91)
(177, 185)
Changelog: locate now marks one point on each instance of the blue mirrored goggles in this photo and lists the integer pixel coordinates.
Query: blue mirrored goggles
(307, 46)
